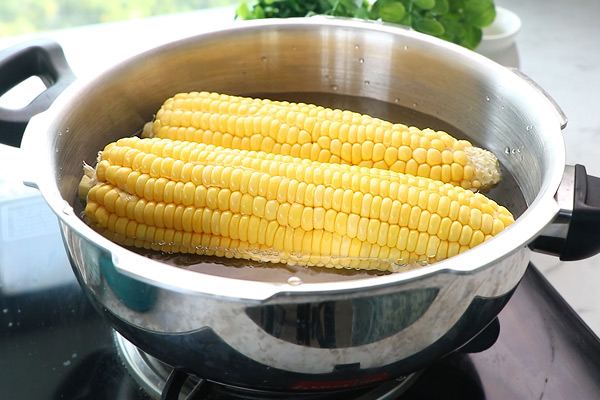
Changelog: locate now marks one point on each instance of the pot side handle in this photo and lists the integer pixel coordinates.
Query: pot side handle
(43, 58)
(575, 232)
(583, 237)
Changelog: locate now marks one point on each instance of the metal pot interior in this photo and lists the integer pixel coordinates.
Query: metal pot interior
(380, 70)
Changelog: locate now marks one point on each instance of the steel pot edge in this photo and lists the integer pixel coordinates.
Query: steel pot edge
(39, 139)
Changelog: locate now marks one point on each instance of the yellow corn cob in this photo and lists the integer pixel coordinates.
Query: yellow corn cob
(325, 135)
(188, 197)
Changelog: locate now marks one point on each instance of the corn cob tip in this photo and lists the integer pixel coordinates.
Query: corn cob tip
(486, 167)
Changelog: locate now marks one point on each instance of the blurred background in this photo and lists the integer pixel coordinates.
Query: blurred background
(18, 17)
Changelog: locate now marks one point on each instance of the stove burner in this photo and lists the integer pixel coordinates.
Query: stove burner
(161, 381)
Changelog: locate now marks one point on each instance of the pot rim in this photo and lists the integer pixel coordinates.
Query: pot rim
(538, 214)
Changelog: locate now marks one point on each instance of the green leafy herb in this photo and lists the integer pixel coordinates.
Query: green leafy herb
(393, 12)
(457, 21)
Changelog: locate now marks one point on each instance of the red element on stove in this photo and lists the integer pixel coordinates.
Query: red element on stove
(328, 385)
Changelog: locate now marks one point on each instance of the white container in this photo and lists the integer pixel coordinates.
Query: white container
(498, 41)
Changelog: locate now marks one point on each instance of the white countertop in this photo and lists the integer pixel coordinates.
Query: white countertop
(558, 46)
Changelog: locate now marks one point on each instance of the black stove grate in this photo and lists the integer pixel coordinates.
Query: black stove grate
(167, 383)
(163, 382)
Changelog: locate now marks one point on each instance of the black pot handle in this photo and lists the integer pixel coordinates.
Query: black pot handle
(575, 232)
(583, 238)
(43, 58)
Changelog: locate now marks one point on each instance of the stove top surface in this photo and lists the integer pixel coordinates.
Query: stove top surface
(53, 345)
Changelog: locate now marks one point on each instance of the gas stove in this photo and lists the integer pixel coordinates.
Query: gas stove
(54, 345)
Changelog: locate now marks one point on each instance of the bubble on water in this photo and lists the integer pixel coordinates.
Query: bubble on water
(367, 83)
(334, 87)
(361, 60)
(423, 263)
(512, 150)
(294, 281)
